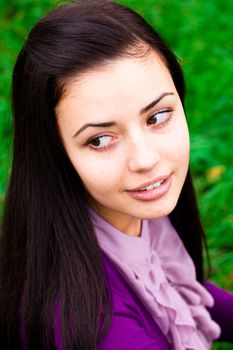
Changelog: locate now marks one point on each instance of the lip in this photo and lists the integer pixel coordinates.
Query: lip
(154, 193)
(148, 183)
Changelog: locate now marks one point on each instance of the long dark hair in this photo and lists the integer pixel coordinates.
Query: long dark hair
(49, 255)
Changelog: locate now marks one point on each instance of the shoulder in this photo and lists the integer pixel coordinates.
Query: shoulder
(132, 327)
(222, 310)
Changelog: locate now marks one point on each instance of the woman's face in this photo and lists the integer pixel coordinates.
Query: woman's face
(125, 131)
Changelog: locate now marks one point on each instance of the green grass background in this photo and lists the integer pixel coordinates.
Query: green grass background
(201, 35)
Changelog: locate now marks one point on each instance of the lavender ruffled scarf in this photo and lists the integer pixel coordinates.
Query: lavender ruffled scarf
(161, 272)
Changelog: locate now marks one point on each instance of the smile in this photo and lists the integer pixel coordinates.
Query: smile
(154, 185)
(153, 190)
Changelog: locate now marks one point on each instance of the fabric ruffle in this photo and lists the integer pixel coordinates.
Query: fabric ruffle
(162, 274)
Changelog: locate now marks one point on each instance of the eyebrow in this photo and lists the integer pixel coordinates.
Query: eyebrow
(112, 123)
(155, 102)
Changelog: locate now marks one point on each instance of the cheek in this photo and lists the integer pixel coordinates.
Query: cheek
(180, 144)
(184, 147)
(98, 176)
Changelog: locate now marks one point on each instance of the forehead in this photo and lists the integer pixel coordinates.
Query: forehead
(123, 80)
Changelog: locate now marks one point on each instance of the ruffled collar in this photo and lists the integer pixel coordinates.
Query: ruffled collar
(162, 274)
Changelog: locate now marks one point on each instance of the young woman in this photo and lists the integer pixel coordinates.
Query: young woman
(102, 243)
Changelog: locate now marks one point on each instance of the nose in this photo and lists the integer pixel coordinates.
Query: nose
(143, 153)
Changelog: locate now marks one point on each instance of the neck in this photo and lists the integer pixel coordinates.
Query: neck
(127, 224)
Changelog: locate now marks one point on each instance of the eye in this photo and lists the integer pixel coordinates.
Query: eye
(100, 142)
(160, 118)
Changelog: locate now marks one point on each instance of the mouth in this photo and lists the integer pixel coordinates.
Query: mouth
(154, 185)
(152, 190)
(150, 185)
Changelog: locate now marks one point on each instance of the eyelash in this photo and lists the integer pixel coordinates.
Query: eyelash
(166, 121)
(99, 149)
(105, 148)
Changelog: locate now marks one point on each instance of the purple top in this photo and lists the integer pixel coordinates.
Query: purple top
(132, 325)
(161, 274)
(141, 319)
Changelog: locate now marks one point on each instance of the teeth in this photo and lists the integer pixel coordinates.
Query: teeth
(150, 187)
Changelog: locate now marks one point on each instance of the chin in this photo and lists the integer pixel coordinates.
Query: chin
(157, 211)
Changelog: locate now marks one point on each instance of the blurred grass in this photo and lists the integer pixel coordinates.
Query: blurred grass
(200, 33)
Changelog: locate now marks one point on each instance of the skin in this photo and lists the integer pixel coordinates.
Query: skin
(139, 147)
